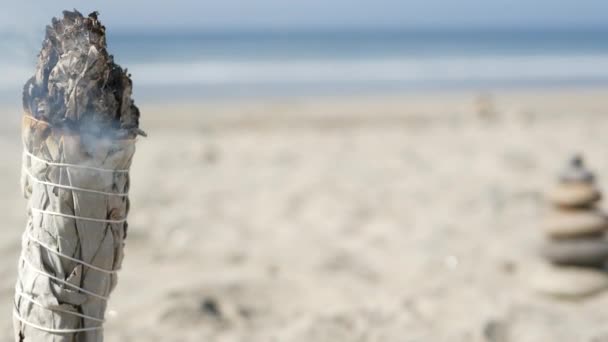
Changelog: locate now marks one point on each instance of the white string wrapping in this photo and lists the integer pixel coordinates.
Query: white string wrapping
(54, 213)
(54, 331)
(30, 237)
(50, 276)
(69, 187)
(74, 166)
(52, 250)
(78, 314)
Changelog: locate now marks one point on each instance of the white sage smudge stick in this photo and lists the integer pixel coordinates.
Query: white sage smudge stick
(79, 130)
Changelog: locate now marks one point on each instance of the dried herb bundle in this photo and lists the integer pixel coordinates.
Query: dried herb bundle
(79, 131)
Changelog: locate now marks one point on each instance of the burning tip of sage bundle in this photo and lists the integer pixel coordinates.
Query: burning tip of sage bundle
(77, 85)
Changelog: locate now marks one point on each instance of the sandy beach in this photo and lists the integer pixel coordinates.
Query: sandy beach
(392, 218)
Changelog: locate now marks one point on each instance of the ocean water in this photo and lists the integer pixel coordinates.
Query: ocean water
(173, 65)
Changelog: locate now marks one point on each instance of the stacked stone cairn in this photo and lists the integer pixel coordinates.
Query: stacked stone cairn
(575, 245)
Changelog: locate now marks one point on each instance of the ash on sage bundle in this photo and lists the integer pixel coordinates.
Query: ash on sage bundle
(79, 130)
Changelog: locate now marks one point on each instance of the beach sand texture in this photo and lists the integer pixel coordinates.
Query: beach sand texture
(388, 218)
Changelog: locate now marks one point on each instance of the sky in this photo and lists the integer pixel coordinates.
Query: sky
(314, 14)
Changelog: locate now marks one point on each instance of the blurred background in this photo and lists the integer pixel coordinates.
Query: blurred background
(192, 49)
(337, 170)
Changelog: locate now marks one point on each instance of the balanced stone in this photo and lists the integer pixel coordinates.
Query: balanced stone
(577, 252)
(575, 223)
(574, 194)
(576, 172)
(569, 281)
(576, 248)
